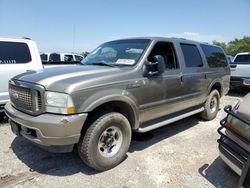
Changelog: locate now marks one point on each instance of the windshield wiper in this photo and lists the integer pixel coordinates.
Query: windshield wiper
(102, 64)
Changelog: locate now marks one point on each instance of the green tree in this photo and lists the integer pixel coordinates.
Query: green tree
(235, 46)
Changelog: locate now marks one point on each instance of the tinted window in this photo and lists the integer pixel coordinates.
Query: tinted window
(14, 52)
(214, 55)
(242, 59)
(44, 57)
(191, 55)
(78, 58)
(68, 58)
(54, 57)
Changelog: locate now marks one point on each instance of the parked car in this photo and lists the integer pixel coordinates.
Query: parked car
(234, 144)
(240, 69)
(127, 85)
(16, 56)
(230, 58)
(60, 57)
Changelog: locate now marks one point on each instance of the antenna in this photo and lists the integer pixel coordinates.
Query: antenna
(74, 34)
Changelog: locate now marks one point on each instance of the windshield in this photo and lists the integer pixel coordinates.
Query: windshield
(117, 53)
(242, 59)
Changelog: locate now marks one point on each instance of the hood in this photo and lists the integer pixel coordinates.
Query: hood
(66, 79)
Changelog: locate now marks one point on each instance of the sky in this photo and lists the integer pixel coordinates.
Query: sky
(77, 25)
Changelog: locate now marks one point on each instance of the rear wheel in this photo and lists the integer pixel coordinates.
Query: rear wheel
(211, 106)
(106, 141)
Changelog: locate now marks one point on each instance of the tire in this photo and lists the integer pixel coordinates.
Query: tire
(105, 142)
(211, 106)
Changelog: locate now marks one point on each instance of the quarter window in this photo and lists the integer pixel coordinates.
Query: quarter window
(191, 55)
(14, 53)
(214, 55)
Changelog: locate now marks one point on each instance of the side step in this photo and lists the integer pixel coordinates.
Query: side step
(168, 121)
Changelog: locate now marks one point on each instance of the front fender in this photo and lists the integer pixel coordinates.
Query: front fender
(105, 96)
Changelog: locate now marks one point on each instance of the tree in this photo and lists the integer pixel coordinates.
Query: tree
(235, 46)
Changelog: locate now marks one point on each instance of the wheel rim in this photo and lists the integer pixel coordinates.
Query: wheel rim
(110, 142)
(213, 104)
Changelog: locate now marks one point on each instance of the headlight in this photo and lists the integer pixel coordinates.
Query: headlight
(59, 103)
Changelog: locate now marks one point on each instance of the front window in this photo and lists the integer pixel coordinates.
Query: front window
(118, 53)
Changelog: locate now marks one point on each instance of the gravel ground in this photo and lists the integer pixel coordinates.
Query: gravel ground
(183, 154)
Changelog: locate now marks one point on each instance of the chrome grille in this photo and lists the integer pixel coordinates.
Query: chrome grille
(25, 98)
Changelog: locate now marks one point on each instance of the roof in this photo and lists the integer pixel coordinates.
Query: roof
(243, 53)
(165, 39)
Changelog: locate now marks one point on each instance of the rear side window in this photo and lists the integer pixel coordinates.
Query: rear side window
(191, 55)
(54, 57)
(14, 53)
(242, 59)
(214, 55)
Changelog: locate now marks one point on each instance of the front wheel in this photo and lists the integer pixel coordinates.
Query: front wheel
(106, 141)
(211, 106)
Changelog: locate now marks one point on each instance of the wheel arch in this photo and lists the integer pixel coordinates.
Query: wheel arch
(117, 102)
(216, 84)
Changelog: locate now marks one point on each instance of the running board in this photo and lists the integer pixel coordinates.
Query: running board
(168, 121)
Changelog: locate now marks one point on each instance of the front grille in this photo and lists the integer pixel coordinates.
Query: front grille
(25, 98)
(21, 97)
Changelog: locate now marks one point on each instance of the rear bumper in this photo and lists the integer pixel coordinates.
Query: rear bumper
(236, 81)
(47, 130)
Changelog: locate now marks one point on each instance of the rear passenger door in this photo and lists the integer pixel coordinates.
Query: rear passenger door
(193, 77)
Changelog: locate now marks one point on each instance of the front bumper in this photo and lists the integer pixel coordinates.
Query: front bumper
(238, 81)
(47, 130)
(232, 146)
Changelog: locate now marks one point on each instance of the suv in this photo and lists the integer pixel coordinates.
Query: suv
(137, 84)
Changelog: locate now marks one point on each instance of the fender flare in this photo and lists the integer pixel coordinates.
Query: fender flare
(103, 97)
(212, 84)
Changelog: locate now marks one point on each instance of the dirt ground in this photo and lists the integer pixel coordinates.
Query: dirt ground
(183, 154)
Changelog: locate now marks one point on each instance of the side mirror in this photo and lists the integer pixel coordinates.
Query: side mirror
(154, 68)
